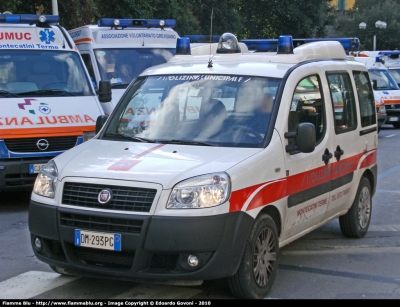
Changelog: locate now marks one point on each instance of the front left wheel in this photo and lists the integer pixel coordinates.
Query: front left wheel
(257, 269)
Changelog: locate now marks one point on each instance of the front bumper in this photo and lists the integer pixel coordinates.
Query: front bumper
(157, 250)
(381, 119)
(14, 173)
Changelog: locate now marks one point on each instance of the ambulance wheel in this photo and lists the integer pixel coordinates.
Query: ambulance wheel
(60, 271)
(259, 263)
(355, 223)
(396, 125)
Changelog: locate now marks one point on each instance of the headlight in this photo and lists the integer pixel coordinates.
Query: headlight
(200, 192)
(88, 135)
(46, 181)
(382, 109)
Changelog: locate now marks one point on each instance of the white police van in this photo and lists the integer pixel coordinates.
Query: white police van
(120, 49)
(210, 164)
(47, 102)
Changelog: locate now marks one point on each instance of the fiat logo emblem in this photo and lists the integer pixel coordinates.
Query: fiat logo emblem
(42, 144)
(104, 196)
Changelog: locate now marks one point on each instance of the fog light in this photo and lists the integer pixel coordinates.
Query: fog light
(38, 244)
(2, 168)
(193, 260)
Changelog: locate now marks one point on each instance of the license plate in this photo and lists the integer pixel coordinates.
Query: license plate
(101, 240)
(35, 168)
(393, 119)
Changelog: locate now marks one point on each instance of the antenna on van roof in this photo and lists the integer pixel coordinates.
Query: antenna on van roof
(210, 61)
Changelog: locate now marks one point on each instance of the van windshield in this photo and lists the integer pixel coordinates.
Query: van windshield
(42, 73)
(213, 110)
(395, 72)
(384, 80)
(122, 65)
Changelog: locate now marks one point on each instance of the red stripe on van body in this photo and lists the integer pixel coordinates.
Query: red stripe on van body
(275, 190)
(127, 164)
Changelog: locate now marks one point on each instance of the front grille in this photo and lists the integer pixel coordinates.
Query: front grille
(163, 262)
(124, 198)
(104, 258)
(101, 223)
(30, 145)
(13, 180)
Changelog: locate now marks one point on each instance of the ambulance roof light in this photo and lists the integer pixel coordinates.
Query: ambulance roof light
(28, 18)
(228, 43)
(265, 45)
(136, 23)
(183, 46)
(285, 45)
(203, 38)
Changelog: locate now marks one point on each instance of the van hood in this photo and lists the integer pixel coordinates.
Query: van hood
(165, 164)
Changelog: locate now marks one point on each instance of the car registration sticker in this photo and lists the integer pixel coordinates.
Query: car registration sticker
(101, 240)
(36, 168)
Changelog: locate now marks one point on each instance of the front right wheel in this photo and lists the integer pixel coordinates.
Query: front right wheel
(257, 269)
(355, 222)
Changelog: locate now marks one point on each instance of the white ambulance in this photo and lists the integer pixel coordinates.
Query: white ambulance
(47, 102)
(390, 60)
(240, 154)
(120, 49)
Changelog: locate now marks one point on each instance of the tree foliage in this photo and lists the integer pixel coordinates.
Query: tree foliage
(370, 11)
(272, 18)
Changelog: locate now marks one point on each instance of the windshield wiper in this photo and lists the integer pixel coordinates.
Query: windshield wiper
(8, 93)
(129, 137)
(123, 85)
(45, 92)
(185, 142)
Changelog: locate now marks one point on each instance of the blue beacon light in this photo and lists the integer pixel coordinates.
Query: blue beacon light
(285, 44)
(28, 18)
(137, 23)
(183, 46)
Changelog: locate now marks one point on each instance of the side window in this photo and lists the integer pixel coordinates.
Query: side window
(89, 66)
(307, 106)
(365, 98)
(343, 102)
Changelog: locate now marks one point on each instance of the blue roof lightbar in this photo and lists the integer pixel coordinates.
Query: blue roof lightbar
(136, 23)
(394, 54)
(271, 45)
(203, 38)
(28, 18)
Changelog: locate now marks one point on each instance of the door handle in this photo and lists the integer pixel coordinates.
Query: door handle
(338, 153)
(326, 156)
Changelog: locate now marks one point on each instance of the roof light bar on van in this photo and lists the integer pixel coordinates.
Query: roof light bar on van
(203, 38)
(271, 45)
(394, 53)
(28, 18)
(183, 46)
(137, 23)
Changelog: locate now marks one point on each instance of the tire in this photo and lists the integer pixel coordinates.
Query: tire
(355, 223)
(60, 271)
(256, 274)
(396, 125)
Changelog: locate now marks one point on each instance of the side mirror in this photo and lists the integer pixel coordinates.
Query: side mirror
(104, 91)
(306, 137)
(374, 84)
(100, 121)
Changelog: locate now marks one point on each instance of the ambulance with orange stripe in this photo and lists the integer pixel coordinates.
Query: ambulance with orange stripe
(47, 102)
(118, 50)
(210, 164)
(387, 81)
